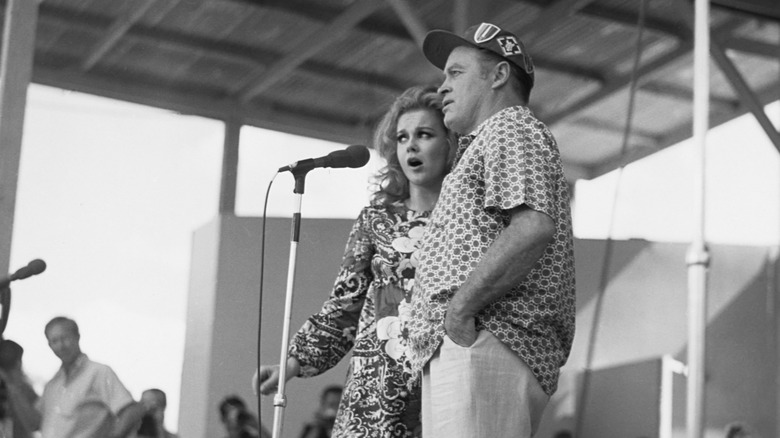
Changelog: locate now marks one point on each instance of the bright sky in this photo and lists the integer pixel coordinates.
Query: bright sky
(110, 194)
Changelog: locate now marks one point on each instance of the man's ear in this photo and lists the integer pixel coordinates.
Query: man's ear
(501, 73)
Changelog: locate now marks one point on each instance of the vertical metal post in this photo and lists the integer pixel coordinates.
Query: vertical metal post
(669, 367)
(698, 255)
(227, 191)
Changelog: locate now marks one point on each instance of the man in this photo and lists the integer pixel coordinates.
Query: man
(17, 396)
(238, 421)
(325, 416)
(84, 399)
(153, 422)
(493, 305)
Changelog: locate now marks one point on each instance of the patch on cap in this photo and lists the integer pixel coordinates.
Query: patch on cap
(486, 32)
(509, 46)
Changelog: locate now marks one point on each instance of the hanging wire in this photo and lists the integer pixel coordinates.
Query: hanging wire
(260, 294)
(607, 262)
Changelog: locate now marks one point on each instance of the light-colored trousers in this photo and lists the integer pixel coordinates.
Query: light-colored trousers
(481, 391)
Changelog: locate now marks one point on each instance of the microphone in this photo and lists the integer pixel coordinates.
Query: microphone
(353, 156)
(35, 267)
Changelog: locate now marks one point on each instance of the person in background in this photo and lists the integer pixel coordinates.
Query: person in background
(84, 399)
(325, 416)
(17, 396)
(737, 429)
(373, 287)
(238, 421)
(153, 422)
(493, 309)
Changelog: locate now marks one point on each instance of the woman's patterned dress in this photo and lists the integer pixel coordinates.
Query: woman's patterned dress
(372, 291)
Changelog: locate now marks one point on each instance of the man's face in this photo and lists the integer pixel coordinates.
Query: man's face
(64, 342)
(466, 89)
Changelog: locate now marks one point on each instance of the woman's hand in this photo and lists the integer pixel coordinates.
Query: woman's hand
(266, 378)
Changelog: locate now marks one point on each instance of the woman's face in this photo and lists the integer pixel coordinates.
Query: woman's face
(422, 147)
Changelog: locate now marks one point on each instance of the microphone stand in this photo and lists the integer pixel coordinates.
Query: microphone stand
(280, 399)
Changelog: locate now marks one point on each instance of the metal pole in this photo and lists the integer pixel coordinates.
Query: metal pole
(698, 256)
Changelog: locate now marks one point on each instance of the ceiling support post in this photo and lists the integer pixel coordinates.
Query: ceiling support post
(18, 46)
(227, 190)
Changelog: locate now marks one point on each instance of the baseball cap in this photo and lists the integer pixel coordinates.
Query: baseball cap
(438, 45)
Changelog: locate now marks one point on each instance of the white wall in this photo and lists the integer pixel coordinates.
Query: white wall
(643, 316)
(222, 315)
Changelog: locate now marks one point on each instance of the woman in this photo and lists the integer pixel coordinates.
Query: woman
(375, 281)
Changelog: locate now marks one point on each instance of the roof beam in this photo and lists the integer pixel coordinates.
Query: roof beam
(738, 82)
(644, 73)
(753, 47)
(321, 13)
(634, 153)
(768, 94)
(683, 132)
(550, 16)
(746, 95)
(631, 19)
(616, 84)
(253, 55)
(569, 69)
(119, 28)
(460, 16)
(416, 28)
(618, 16)
(229, 51)
(610, 126)
(683, 93)
(263, 79)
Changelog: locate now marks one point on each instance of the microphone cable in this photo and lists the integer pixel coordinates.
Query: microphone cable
(607, 261)
(260, 297)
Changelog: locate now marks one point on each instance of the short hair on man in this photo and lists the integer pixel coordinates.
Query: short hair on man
(518, 79)
(331, 389)
(63, 321)
(160, 394)
(10, 354)
(231, 400)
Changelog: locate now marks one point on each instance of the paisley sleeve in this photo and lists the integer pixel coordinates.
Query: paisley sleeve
(327, 336)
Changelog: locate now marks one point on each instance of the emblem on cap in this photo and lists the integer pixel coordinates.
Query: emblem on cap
(509, 45)
(486, 32)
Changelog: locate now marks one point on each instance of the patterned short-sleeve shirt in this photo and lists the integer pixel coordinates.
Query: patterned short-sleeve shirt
(513, 160)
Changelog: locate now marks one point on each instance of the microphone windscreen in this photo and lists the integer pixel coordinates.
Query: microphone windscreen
(358, 154)
(36, 266)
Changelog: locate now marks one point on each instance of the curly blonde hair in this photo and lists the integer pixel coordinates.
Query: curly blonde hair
(390, 184)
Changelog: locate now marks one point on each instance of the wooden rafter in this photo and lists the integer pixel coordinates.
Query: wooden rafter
(263, 79)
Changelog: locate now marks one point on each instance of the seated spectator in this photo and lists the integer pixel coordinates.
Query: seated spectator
(325, 416)
(153, 422)
(238, 421)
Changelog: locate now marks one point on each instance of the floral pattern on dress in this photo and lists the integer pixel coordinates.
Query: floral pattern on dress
(365, 314)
